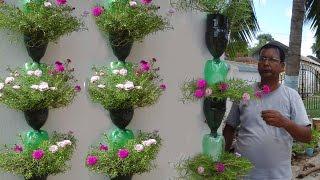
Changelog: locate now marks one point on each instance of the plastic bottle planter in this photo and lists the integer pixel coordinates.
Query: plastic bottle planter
(309, 152)
(39, 178)
(216, 34)
(129, 177)
(213, 143)
(36, 119)
(121, 48)
(120, 118)
(36, 50)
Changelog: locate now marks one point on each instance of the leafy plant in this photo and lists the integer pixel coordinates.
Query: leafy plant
(49, 158)
(40, 20)
(243, 24)
(299, 147)
(129, 22)
(236, 90)
(126, 86)
(202, 166)
(38, 86)
(136, 157)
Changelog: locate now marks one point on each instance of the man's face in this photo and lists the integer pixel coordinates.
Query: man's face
(269, 65)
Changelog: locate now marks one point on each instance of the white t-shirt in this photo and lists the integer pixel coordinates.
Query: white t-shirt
(267, 147)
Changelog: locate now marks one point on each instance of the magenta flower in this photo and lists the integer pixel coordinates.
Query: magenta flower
(201, 83)
(223, 87)
(146, 2)
(266, 89)
(220, 167)
(77, 88)
(97, 11)
(61, 2)
(163, 87)
(199, 93)
(92, 160)
(123, 153)
(144, 66)
(246, 97)
(258, 94)
(38, 154)
(17, 149)
(59, 66)
(103, 147)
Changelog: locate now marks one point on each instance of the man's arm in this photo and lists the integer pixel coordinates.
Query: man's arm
(228, 133)
(298, 132)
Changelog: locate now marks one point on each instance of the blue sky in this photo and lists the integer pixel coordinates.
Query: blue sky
(274, 17)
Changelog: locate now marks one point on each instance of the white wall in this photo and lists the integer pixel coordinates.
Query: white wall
(181, 53)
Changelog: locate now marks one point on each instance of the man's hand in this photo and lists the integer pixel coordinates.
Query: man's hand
(275, 118)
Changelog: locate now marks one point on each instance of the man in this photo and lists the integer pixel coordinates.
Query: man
(267, 126)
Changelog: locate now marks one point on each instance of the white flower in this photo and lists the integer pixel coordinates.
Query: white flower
(47, 4)
(128, 85)
(61, 144)
(16, 74)
(116, 71)
(146, 143)
(94, 79)
(38, 73)
(139, 147)
(1, 86)
(9, 80)
(120, 86)
(101, 86)
(152, 141)
(67, 142)
(133, 4)
(237, 154)
(138, 87)
(101, 74)
(123, 72)
(53, 148)
(16, 87)
(43, 86)
(30, 73)
(53, 88)
(35, 87)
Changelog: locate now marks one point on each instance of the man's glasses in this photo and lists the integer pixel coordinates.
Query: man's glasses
(269, 59)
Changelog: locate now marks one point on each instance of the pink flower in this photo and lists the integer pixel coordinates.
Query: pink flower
(220, 167)
(258, 94)
(38, 154)
(266, 89)
(146, 2)
(77, 88)
(223, 87)
(208, 92)
(17, 149)
(123, 153)
(200, 170)
(103, 147)
(97, 11)
(144, 66)
(246, 97)
(163, 87)
(133, 3)
(59, 66)
(199, 93)
(61, 2)
(201, 83)
(92, 160)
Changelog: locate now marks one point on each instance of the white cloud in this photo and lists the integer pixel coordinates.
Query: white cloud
(260, 2)
(307, 41)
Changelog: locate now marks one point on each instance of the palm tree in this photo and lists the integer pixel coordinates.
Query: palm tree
(308, 10)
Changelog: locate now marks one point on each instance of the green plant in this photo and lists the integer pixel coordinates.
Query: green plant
(49, 158)
(136, 157)
(130, 22)
(41, 22)
(202, 166)
(243, 24)
(236, 90)
(126, 86)
(300, 147)
(38, 86)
